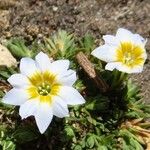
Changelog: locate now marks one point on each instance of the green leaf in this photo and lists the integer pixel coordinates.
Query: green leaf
(97, 103)
(130, 141)
(4, 72)
(133, 90)
(69, 131)
(60, 45)
(136, 144)
(8, 145)
(92, 121)
(77, 147)
(125, 146)
(102, 148)
(90, 141)
(87, 43)
(25, 134)
(18, 49)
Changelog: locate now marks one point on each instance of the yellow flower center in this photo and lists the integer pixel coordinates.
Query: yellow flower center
(44, 89)
(43, 86)
(130, 54)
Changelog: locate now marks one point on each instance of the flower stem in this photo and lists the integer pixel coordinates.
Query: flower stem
(115, 78)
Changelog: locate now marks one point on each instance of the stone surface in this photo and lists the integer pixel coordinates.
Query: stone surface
(6, 59)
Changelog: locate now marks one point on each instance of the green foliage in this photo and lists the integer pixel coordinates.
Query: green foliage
(136, 107)
(87, 44)
(130, 141)
(6, 72)
(25, 134)
(18, 48)
(8, 145)
(100, 124)
(6, 140)
(61, 45)
(132, 91)
(69, 131)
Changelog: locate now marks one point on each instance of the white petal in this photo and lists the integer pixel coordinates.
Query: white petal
(139, 40)
(28, 66)
(16, 97)
(70, 95)
(68, 78)
(59, 66)
(43, 61)
(60, 108)
(106, 53)
(124, 35)
(43, 116)
(18, 80)
(144, 55)
(29, 108)
(112, 66)
(123, 68)
(111, 40)
(119, 66)
(136, 69)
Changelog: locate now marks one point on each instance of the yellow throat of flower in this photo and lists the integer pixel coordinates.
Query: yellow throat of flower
(43, 86)
(130, 54)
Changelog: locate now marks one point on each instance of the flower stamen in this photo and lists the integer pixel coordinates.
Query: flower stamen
(44, 89)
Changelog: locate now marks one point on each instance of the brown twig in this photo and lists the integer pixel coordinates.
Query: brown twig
(89, 69)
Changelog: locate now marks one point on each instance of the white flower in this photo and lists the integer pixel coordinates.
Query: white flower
(43, 89)
(124, 52)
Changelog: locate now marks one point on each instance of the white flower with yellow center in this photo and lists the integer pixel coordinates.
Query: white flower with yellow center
(43, 89)
(124, 52)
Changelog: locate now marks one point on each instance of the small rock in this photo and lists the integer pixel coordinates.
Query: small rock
(5, 4)
(32, 30)
(6, 58)
(4, 19)
(55, 8)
